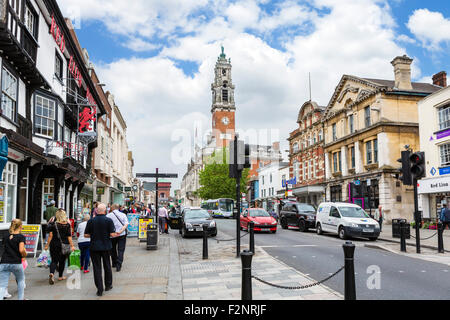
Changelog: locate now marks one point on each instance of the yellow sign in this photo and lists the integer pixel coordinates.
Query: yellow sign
(143, 223)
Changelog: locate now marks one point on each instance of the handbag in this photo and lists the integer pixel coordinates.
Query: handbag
(65, 248)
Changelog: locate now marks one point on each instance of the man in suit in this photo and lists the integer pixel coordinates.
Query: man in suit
(100, 230)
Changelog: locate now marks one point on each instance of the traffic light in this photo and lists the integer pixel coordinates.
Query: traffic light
(418, 165)
(406, 177)
(247, 160)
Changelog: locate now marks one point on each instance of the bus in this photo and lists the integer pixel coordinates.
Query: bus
(219, 208)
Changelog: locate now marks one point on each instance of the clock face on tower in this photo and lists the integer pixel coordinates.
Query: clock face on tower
(225, 121)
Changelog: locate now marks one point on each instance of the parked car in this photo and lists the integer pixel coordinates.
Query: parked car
(346, 220)
(298, 215)
(192, 221)
(175, 220)
(264, 222)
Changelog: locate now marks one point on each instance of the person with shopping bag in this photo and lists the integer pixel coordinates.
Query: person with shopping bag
(13, 259)
(84, 244)
(61, 245)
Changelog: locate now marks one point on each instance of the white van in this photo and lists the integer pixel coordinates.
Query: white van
(346, 220)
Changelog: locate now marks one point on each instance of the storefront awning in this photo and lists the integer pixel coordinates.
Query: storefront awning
(309, 190)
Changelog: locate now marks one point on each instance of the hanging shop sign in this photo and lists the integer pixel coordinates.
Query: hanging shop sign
(70, 149)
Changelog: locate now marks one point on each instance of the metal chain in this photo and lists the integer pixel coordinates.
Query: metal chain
(219, 240)
(425, 238)
(300, 287)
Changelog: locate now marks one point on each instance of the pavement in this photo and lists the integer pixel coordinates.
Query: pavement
(176, 271)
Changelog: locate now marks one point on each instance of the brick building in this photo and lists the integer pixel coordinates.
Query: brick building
(307, 162)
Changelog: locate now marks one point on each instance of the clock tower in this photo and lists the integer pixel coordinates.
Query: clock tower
(223, 106)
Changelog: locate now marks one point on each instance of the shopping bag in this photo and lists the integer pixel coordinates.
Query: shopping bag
(44, 260)
(74, 260)
(24, 264)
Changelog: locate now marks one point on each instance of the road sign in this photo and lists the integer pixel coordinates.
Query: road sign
(150, 186)
(156, 175)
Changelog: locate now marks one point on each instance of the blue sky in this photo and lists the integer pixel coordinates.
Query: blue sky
(157, 58)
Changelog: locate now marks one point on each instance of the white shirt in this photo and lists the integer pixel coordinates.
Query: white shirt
(120, 220)
(80, 230)
(162, 212)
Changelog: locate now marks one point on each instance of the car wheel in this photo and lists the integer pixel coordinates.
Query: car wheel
(342, 233)
(302, 226)
(319, 229)
(283, 223)
(274, 231)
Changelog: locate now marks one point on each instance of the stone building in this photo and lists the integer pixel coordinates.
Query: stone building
(368, 122)
(307, 159)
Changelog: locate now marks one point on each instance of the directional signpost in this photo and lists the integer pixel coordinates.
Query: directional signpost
(157, 175)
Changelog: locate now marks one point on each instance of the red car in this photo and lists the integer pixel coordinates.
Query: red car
(263, 220)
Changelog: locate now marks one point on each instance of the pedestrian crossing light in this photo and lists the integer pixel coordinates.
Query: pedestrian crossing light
(247, 160)
(418, 165)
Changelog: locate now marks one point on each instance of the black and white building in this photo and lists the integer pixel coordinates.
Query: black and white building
(45, 87)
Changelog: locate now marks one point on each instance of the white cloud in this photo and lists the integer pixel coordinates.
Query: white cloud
(430, 28)
(156, 96)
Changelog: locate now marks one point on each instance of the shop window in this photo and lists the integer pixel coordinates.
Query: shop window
(8, 193)
(336, 194)
(444, 117)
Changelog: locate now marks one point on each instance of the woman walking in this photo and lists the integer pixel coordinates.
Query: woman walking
(84, 244)
(59, 240)
(13, 256)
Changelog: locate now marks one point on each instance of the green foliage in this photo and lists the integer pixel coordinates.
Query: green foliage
(214, 179)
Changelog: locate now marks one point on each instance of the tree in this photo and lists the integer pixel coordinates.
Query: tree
(215, 182)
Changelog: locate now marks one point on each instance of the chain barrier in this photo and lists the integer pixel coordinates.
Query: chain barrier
(425, 238)
(221, 240)
(300, 287)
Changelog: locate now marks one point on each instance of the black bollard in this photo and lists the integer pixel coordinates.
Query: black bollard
(205, 242)
(402, 236)
(441, 237)
(350, 287)
(246, 258)
(251, 227)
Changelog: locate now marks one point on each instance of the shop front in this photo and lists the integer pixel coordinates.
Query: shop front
(313, 195)
(365, 193)
(433, 194)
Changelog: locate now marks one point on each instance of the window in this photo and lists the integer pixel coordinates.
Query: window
(315, 138)
(270, 178)
(311, 175)
(336, 194)
(321, 135)
(351, 124)
(352, 157)
(296, 170)
(334, 132)
(30, 21)
(445, 154)
(225, 95)
(305, 171)
(45, 117)
(337, 162)
(372, 152)
(444, 117)
(9, 94)
(263, 180)
(58, 66)
(8, 193)
(367, 116)
(295, 147)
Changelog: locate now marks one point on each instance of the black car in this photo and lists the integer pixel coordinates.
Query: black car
(298, 215)
(192, 221)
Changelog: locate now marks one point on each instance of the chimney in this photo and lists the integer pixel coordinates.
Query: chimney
(402, 71)
(440, 79)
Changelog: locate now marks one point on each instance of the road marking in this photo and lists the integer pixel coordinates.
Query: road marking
(313, 256)
(445, 270)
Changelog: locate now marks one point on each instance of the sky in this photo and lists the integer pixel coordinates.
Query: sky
(157, 57)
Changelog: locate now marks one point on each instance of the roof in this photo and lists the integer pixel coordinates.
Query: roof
(417, 86)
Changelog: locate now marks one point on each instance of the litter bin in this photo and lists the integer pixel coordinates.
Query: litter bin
(152, 236)
(396, 228)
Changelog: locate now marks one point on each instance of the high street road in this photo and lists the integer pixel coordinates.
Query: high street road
(401, 278)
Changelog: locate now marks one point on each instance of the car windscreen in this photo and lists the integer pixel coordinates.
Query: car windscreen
(197, 214)
(353, 212)
(259, 213)
(305, 208)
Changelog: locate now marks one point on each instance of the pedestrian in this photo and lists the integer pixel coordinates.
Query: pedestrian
(13, 257)
(94, 210)
(49, 216)
(118, 243)
(100, 230)
(84, 244)
(445, 216)
(60, 237)
(162, 216)
(379, 216)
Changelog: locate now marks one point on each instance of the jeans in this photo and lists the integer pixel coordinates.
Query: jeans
(85, 255)
(118, 250)
(162, 224)
(17, 270)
